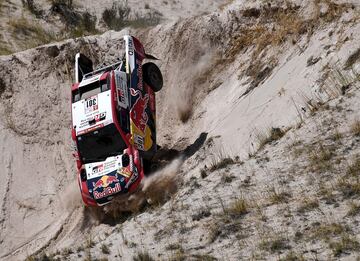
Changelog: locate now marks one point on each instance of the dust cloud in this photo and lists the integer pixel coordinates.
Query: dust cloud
(70, 198)
(184, 94)
(154, 189)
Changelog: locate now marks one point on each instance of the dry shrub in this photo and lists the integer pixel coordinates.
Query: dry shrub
(354, 168)
(29, 34)
(33, 8)
(142, 256)
(238, 208)
(344, 245)
(348, 187)
(275, 244)
(271, 26)
(221, 163)
(275, 27)
(320, 158)
(308, 204)
(355, 128)
(4, 50)
(277, 196)
(332, 12)
(269, 135)
(353, 58)
(354, 209)
(118, 16)
(327, 231)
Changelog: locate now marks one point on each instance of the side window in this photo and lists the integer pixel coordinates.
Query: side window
(105, 85)
(76, 96)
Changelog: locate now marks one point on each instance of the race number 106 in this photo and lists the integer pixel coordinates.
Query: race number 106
(91, 102)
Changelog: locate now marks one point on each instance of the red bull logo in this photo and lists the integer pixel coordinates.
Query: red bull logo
(105, 182)
(107, 191)
(137, 113)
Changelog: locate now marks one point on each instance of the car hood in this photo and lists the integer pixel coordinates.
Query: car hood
(92, 113)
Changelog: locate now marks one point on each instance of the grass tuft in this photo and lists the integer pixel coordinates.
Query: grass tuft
(118, 16)
(275, 244)
(354, 209)
(238, 208)
(327, 231)
(348, 187)
(308, 205)
(222, 163)
(269, 136)
(355, 128)
(354, 168)
(105, 249)
(319, 157)
(345, 244)
(277, 197)
(142, 256)
(29, 34)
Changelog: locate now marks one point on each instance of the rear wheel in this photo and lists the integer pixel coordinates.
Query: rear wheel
(152, 76)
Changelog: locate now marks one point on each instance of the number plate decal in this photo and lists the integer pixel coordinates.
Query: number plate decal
(91, 104)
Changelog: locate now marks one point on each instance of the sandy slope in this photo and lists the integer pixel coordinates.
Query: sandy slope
(40, 206)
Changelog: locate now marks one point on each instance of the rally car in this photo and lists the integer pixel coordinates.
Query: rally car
(113, 122)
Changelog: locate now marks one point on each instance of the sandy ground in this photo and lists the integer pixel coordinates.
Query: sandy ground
(40, 206)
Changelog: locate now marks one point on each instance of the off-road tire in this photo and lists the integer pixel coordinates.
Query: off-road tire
(152, 76)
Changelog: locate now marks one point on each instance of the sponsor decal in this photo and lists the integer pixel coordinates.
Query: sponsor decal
(102, 187)
(137, 113)
(133, 178)
(90, 129)
(91, 121)
(139, 141)
(140, 75)
(130, 46)
(100, 117)
(121, 89)
(124, 172)
(107, 191)
(91, 104)
(97, 169)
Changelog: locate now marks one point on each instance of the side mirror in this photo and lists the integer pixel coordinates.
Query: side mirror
(125, 160)
(83, 175)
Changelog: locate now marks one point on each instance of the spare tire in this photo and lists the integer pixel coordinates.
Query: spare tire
(152, 76)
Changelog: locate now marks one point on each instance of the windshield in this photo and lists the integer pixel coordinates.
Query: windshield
(90, 90)
(100, 144)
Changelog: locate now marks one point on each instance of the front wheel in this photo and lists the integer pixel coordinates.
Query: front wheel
(152, 76)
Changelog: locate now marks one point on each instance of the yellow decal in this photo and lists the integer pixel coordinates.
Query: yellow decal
(124, 172)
